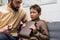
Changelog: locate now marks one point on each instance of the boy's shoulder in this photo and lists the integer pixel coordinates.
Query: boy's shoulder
(41, 22)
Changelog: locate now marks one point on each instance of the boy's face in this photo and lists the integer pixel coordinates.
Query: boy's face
(34, 14)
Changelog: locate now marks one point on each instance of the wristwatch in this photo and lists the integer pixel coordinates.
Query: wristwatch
(10, 27)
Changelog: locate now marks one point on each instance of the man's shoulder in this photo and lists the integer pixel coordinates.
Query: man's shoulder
(3, 9)
(22, 9)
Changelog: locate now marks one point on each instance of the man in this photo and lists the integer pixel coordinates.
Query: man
(40, 30)
(10, 17)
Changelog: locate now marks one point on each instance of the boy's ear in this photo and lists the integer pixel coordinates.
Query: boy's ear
(39, 13)
(11, 0)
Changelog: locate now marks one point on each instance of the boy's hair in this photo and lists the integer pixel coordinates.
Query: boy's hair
(36, 7)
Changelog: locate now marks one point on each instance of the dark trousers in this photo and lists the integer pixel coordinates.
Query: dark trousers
(7, 37)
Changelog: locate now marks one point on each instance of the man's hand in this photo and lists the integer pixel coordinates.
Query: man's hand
(5, 30)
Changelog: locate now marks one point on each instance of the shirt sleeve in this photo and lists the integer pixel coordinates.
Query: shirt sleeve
(24, 19)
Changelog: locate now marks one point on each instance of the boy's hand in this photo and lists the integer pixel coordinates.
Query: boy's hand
(32, 27)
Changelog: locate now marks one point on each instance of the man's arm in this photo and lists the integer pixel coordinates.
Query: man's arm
(24, 19)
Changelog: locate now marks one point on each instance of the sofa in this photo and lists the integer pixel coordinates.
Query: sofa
(54, 30)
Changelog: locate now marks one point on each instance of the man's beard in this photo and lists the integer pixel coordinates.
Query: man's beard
(13, 7)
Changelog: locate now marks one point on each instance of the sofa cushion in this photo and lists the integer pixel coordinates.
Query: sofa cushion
(54, 30)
